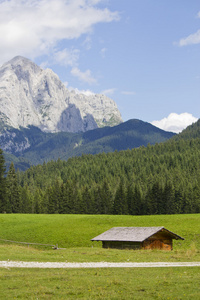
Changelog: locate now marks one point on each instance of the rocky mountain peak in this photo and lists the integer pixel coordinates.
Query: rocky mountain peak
(20, 65)
(30, 95)
(20, 60)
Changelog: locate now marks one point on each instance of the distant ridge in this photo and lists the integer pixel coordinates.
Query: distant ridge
(34, 146)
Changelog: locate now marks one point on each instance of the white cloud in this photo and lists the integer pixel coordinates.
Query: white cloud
(108, 91)
(103, 52)
(66, 57)
(66, 83)
(84, 92)
(87, 43)
(175, 122)
(191, 39)
(35, 27)
(44, 64)
(83, 76)
(128, 93)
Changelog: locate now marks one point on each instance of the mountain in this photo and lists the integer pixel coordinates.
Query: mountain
(32, 146)
(41, 120)
(30, 95)
(191, 132)
(158, 179)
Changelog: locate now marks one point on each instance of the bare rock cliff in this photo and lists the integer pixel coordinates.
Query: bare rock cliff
(30, 95)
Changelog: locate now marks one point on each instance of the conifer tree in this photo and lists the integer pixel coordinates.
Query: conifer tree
(130, 200)
(4, 206)
(37, 202)
(168, 198)
(106, 198)
(67, 198)
(88, 201)
(13, 190)
(25, 200)
(138, 207)
(120, 206)
(51, 205)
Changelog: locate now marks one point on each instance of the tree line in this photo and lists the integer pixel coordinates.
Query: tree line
(159, 179)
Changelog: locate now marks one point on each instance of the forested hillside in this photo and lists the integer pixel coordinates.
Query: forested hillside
(30, 145)
(160, 179)
(192, 131)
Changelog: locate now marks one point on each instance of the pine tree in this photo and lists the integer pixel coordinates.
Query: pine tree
(130, 200)
(120, 206)
(98, 200)
(25, 200)
(37, 202)
(88, 201)
(106, 198)
(13, 190)
(4, 205)
(67, 198)
(138, 205)
(153, 199)
(52, 205)
(169, 198)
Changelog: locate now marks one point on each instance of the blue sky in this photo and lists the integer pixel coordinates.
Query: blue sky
(144, 54)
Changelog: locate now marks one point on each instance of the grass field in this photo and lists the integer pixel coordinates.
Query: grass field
(74, 232)
(77, 230)
(142, 283)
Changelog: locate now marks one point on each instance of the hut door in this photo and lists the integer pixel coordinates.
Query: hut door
(157, 244)
(160, 244)
(153, 244)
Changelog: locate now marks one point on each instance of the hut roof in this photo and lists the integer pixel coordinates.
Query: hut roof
(133, 234)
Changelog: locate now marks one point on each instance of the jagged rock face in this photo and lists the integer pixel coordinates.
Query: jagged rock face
(30, 95)
(9, 144)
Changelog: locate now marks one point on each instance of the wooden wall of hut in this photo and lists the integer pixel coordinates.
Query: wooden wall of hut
(121, 245)
(157, 244)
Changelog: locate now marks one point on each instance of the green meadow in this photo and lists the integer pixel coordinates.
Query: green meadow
(77, 230)
(73, 234)
(142, 283)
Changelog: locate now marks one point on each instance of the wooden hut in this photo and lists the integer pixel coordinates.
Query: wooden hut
(138, 238)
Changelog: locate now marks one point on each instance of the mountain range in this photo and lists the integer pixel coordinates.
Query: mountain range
(159, 179)
(30, 145)
(41, 120)
(30, 95)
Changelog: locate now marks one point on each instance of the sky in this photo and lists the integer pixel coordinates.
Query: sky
(144, 54)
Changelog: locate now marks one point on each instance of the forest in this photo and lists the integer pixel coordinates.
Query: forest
(159, 179)
(43, 146)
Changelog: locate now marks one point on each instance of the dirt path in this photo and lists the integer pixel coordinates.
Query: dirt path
(21, 264)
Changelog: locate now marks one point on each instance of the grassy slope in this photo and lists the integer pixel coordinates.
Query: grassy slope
(77, 230)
